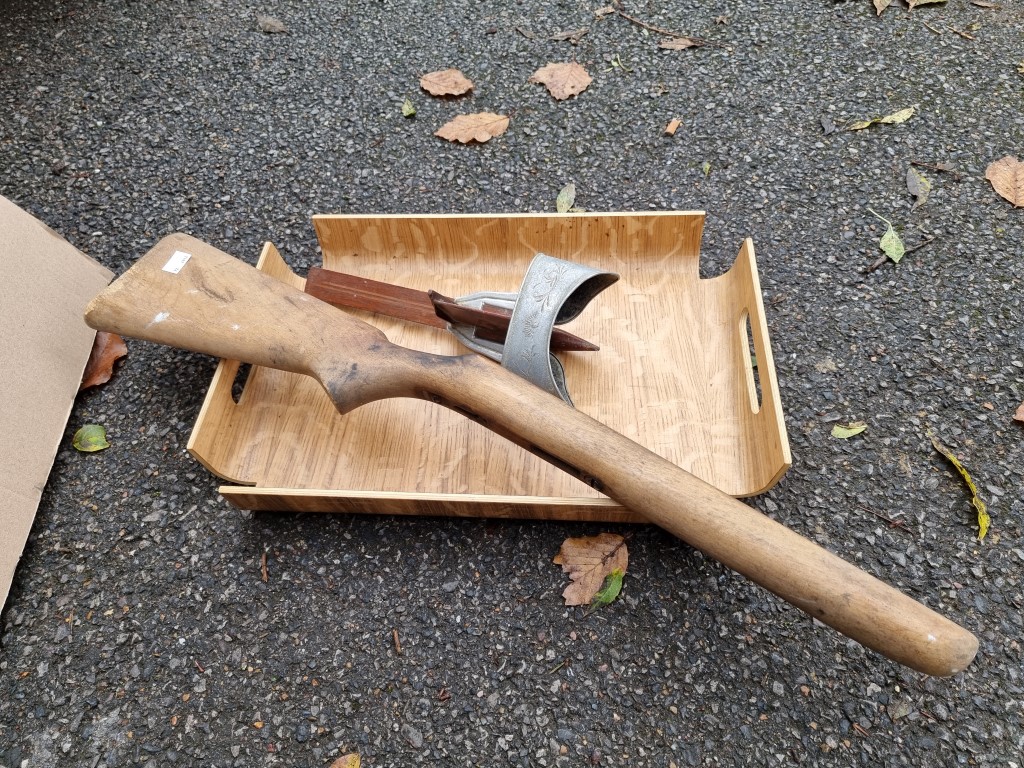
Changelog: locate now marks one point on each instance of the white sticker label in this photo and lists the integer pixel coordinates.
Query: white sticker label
(176, 262)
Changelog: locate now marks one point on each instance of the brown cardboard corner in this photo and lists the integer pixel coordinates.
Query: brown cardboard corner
(45, 283)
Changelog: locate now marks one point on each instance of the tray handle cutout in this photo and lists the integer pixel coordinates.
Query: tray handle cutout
(750, 361)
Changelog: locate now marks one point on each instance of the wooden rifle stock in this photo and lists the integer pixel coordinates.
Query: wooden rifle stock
(218, 305)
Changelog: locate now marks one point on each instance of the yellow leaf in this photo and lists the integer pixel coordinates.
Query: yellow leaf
(845, 431)
(90, 438)
(347, 761)
(983, 519)
(898, 117)
(895, 118)
(891, 244)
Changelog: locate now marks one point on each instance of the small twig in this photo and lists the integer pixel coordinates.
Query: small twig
(558, 666)
(264, 574)
(938, 168)
(861, 730)
(898, 524)
(885, 257)
(919, 245)
(199, 667)
(617, 6)
(876, 265)
(398, 645)
(964, 35)
(933, 29)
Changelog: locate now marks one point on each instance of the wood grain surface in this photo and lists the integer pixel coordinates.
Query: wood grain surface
(674, 372)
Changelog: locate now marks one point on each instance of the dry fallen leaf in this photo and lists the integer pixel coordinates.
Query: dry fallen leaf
(891, 244)
(566, 198)
(918, 186)
(914, 3)
(107, 349)
(898, 117)
(602, 12)
(480, 126)
(1007, 177)
(894, 119)
(90, 438)
(270, 25)
(446, 82)
(846, 431)
(588, 560)
(572, 35)
(347, 761)
(673, 126)
(983, 517)
(881, 5)
(1019, 413)
(986, 4)
(679, 43)
(563, 79)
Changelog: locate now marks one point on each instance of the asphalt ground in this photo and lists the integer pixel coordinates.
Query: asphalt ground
(139, 629)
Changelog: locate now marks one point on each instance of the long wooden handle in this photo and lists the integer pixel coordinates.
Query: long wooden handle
(220, 306)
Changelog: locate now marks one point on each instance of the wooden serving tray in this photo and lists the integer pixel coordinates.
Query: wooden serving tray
(674, 373)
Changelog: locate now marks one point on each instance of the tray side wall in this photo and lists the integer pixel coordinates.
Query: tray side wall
(285, 436)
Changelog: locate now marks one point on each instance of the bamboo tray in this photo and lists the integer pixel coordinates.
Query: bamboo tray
(674, 373)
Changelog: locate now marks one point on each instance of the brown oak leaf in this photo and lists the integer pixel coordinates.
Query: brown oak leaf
(107, 349)
(588, 560)
(480, 126)
(446, 82)
(563, 79)
(1007, 177)
(1019, 414)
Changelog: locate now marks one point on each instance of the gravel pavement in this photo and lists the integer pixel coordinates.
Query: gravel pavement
(139, 630)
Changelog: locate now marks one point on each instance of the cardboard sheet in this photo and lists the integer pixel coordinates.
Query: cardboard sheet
(45, 283)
